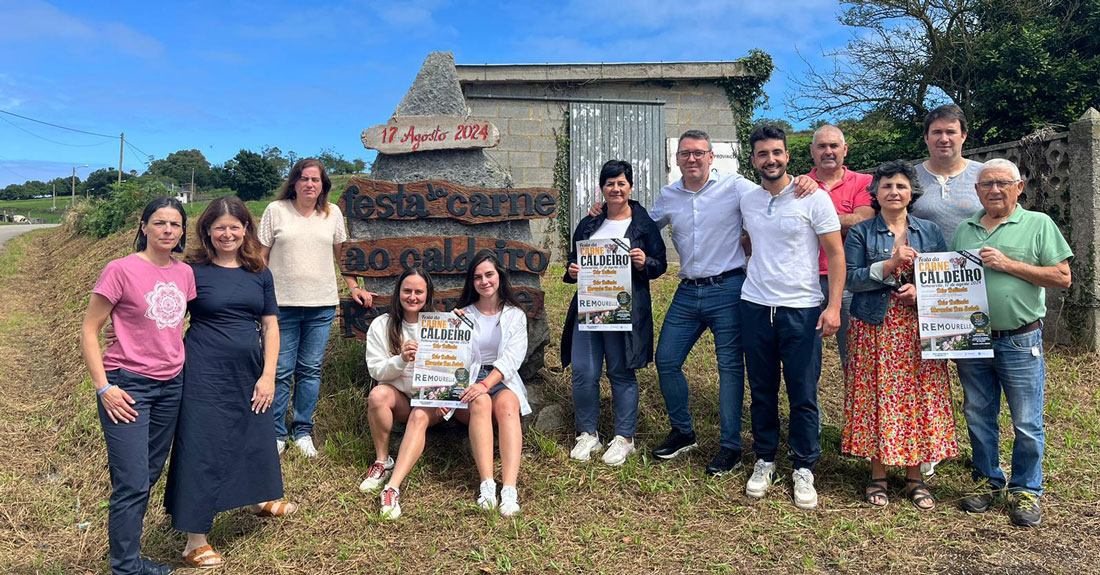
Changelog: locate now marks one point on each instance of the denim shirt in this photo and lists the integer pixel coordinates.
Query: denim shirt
(870, 242)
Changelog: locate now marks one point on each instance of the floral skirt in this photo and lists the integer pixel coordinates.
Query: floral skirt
(897, 406)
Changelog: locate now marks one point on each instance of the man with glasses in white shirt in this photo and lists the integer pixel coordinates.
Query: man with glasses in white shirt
(704, 212)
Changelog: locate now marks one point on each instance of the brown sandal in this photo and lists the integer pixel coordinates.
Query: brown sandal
(204, 557)
(276, 509)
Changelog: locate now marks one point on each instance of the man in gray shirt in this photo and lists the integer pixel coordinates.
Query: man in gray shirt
(947, 172)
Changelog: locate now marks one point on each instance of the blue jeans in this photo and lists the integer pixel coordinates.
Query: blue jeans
(303, 335)
(788, 338)
(694, 309)
(135, 455)
(589, 350)
(1017, 369)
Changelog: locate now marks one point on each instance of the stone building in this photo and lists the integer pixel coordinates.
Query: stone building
(577, 116)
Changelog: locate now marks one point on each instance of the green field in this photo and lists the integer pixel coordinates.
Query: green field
(39, 208)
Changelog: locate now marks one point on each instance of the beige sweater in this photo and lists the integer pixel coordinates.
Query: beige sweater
(301, 258)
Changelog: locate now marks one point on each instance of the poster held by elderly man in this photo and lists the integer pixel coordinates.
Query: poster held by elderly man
(952, 306)
(441, 371)
(604, 285)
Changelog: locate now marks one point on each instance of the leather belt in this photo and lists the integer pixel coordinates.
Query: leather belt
(713, 279)
(1026, 328)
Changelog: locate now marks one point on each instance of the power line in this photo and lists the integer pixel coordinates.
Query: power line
(18, 127)
(56, 125)
(139, 150)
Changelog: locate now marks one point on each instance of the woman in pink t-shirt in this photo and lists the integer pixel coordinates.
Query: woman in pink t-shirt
(139, 379)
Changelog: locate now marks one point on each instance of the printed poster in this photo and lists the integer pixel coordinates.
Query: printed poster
(952, 306)
(441, 371)
(604, 285)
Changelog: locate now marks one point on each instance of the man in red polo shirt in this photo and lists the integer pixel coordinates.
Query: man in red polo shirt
(848, 190)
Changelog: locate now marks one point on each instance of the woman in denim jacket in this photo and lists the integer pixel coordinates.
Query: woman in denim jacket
(897, 406)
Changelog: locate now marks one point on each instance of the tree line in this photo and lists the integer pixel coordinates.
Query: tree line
(250, 175)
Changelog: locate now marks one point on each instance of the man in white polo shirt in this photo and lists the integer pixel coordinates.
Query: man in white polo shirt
(781, 301)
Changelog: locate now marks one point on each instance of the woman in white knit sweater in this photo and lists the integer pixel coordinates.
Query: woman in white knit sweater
(500, 345)
(391, 349)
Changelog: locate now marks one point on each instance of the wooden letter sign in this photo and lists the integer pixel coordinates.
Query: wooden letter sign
(379, 200)
(406, 134)
(437, 254)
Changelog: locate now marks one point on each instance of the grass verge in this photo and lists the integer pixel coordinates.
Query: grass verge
(644, 517)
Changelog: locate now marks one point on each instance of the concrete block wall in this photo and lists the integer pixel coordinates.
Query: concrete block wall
(528, 127)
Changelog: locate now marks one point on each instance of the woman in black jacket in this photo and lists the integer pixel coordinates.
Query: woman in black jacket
(624, 351)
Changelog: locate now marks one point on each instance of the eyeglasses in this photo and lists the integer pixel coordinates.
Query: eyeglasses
(999, 184)
(697, 154)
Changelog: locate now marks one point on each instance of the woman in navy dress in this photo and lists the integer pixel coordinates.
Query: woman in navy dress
(223, 457)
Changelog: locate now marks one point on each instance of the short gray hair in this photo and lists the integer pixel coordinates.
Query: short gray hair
(827, 127)
(1001, 164)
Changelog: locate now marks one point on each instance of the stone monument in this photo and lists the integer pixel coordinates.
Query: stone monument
(435, 199)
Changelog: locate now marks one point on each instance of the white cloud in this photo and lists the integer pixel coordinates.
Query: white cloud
(34, 20)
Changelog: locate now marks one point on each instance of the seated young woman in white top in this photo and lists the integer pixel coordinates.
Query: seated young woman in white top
(391, 349)
(500, 345)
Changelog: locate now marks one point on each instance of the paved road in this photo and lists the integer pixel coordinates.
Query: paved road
(9, 231)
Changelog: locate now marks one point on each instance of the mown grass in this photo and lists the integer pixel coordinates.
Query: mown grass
(644, 517)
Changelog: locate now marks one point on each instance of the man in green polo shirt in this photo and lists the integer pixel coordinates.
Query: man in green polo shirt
(1024, 253)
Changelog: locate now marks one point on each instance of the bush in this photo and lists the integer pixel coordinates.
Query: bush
(122, 208)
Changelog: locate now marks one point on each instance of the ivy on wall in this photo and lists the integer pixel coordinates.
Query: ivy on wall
(746, 93)
(561, 184)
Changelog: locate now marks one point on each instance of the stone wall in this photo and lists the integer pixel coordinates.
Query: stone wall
(1062, 170)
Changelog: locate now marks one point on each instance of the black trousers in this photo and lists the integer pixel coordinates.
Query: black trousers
(775, 338)
(136, 453)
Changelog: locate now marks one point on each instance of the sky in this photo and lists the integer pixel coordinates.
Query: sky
(224, 76)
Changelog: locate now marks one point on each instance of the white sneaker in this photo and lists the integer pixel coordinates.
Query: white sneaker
(280, 446)
(928, 468)
(377, 475)
(587, 444)
(305, 445)
(617, 451)
(509, 501)
(487, 496)
(805, 496)
(763, 475)
(391, 503)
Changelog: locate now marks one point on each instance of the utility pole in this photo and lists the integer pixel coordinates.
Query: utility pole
(121, 145)
(192, 198)
(55, 197)
(72, 202)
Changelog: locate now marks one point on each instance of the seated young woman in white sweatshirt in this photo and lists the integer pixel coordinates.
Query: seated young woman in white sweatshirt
(391, 349)
(500, 345)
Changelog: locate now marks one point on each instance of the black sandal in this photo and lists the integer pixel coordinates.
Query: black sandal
(918, 493)
(875, 492)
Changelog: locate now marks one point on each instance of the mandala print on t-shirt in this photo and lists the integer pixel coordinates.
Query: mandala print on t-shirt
(167, 305)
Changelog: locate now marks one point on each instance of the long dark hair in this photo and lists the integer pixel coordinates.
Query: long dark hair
(141, 241)
(287, 191)
(248, 253)
(504, 290)
(397, 313)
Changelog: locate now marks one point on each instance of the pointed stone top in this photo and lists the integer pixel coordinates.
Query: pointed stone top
(436, 91)
(1090, 115)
